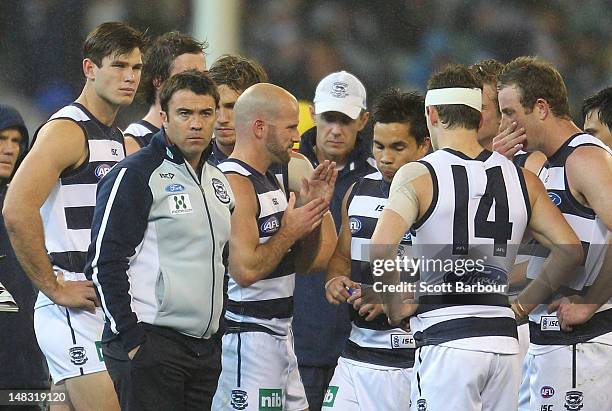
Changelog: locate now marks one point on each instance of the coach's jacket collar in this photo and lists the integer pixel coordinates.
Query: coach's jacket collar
(171, 152)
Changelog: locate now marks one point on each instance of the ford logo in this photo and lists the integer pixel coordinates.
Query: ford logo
(175, 188)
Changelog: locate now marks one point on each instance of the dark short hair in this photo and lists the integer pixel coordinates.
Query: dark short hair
(456, 115)
(159, 57)
(393, 106)
(110, 39)
(601, 101)
(197, 81)
(237, 72)
(536, 79)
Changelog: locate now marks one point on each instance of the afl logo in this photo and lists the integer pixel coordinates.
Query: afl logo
(220, 191)
(354, 224)
(175, 188)
(102, 170)
(270, 226)
(555, 198)
(547, 392)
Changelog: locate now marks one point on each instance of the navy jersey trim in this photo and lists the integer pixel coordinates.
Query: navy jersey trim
(266, 309)
(482, 156)
(435, 302)
(521, 177)
(599, 324)
(73, 261)
(434, 198)
(79, 218)
(388, 357)
(469, 327)
(235, 327)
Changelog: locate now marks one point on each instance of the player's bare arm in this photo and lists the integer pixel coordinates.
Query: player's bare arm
(131, 146)
(338, 275)
(60, 146)
(585, 184)
(410, 195)
(550, 229)
(251, 261)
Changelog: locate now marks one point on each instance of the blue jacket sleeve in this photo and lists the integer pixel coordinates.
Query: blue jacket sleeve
(123, 203)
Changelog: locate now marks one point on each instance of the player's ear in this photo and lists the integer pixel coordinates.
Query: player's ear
(364, 116)
(259, 128)
(542, 107)
(88, 69)
(312, 113)
(164, 117)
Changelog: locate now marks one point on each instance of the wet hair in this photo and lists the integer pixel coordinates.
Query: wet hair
(393, 106)
(456, 115)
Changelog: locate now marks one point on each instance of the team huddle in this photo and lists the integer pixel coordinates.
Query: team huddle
(167, 255)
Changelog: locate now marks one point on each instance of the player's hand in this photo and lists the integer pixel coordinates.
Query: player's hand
(337, 289)
(321, 183)
(572, 311)
(367, 303)
(133, 352)
(509, 140)
(301, 221)
(399, 314)
(74, 294)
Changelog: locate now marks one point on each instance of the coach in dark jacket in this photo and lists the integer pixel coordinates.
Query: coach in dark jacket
(340, 116)
(22, 364)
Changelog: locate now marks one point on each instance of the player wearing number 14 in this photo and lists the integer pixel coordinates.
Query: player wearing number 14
(465, 203)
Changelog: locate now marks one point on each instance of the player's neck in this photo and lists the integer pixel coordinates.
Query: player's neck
(101, 109)
(253, 156)
(556, 133)
(487, 143)
(225, 149)
(461, 140)
(153, 116)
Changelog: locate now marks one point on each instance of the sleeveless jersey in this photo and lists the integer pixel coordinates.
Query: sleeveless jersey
(67, 212)
(142, 131)
(373, 342)
(266, 305)
(593, 235)
(467, 243)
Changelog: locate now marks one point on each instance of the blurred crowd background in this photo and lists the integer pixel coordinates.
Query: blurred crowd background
(384, 42)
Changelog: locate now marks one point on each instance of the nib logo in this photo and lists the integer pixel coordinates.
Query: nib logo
(330, 396)
(271, 399)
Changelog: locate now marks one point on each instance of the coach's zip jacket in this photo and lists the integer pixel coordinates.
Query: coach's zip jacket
(157, 240)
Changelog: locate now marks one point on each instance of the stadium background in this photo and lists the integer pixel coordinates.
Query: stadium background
(384, 42)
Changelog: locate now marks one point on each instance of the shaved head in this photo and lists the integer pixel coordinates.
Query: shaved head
(262, 101)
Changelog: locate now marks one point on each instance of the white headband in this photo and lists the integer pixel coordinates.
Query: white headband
(471, 97)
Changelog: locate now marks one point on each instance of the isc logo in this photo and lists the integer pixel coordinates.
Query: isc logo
(549, 323)
(270, 225)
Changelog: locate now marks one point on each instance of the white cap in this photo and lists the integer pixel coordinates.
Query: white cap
(340, 92)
